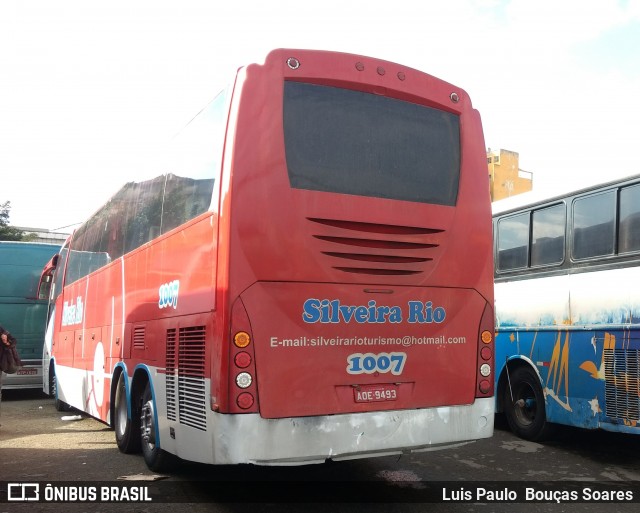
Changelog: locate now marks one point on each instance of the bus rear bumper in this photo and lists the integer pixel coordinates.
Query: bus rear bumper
(307, 440)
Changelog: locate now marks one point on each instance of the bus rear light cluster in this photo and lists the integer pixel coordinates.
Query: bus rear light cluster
(485, 355)
(243, 389)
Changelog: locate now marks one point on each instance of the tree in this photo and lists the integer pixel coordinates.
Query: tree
(8, 232)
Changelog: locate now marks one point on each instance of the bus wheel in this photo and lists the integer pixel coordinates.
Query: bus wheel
(156, 459)
(127, 431)
(524, 405)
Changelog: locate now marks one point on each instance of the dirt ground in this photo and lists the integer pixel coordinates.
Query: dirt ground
(37, 442)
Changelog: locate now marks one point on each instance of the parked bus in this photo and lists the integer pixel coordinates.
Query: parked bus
(311, 279)
(567, 315)
(22, 312)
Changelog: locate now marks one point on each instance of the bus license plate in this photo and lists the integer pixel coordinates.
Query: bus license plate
(27, 372)
(375, 393)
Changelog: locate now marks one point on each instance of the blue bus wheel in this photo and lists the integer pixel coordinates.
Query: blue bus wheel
(524, 405)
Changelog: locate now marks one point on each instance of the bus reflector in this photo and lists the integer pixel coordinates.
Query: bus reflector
(244, 380)
(241, 339)
(485, 386)
(487, 337)
(243, 360)
(245, 400)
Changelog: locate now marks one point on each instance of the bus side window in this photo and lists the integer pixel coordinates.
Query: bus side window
(629, 235)
(513, 242)
(548, 235)
(593, 225)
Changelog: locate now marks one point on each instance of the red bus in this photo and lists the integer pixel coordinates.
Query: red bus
(310, 279)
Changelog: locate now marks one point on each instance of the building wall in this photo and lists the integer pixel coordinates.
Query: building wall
(505, 176)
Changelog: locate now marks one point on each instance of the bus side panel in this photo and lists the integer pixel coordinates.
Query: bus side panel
(589, 367)
(587, 379)
(90, 340)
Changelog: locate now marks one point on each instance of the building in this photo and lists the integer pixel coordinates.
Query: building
(43, 235)
(505, 176)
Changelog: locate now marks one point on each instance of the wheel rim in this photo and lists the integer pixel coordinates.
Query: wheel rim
(147, 426)
(526, 407)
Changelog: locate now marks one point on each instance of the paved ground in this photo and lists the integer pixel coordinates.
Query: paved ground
(37, 444)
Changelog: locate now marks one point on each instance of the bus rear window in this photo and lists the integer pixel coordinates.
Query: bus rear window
(350, 142)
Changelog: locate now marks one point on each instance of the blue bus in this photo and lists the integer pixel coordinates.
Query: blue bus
(568, 310)
(22, 312)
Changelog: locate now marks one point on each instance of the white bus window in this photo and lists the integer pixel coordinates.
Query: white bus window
(629, 219)
(547, 245)
(513, 242)
(593, 226)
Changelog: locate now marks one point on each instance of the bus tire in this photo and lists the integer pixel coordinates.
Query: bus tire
(127, 429)
(524, 405)
(53, 392)
(156, 458)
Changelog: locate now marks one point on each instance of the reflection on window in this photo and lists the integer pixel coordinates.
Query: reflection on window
(593, 225)
(141, 211)
(548, 236)
(58, 274)
(629, 237)
(513, 242)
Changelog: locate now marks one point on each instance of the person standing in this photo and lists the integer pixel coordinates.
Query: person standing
(9, 359)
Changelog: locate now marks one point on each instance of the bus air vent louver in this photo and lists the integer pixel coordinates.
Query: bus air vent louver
(622, 384)
(377, 249)
(185, 385)
(138, 338)
(172, 367)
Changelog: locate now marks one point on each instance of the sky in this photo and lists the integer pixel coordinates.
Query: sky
(92, 91)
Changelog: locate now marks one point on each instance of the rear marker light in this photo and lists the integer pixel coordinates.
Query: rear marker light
(241, 339)
(486, 353)
(485, 386)
(244, 380)
(245, 401)
(485, 369)
(243, 360)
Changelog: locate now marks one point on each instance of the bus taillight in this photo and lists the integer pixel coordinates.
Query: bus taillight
(242, 383)
(241, 339)
(245, 401)
(485, 355)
